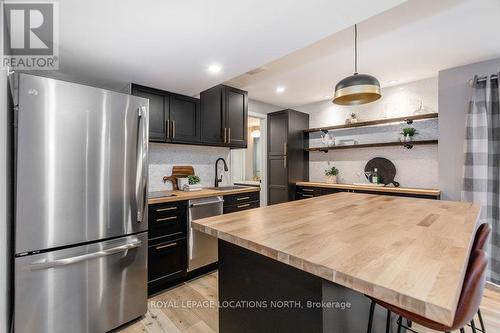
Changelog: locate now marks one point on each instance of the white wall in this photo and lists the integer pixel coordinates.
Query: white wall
(261, 107)
(417, 167)
(162, 157)
(4, 203)
(454, 95)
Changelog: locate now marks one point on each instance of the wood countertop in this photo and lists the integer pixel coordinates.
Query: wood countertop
(368, 187)
(408, 252)
(183, 195)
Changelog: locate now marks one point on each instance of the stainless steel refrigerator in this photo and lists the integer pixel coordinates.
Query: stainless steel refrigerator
(80, 239)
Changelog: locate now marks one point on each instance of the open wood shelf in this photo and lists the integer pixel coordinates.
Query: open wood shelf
(407, 119)
(408, 145)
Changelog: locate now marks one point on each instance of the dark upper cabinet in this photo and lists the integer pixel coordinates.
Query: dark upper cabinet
(185, 119)
(236, 107)
(224, 116)
(172, 117)
(212, 117)
(287, 162)
(158, 111)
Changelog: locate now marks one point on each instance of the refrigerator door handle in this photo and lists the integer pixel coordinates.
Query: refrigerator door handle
(44, 264)
(142, 150)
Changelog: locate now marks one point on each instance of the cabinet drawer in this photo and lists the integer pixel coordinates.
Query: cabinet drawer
(309, 190)
(167, 260)
(238, 199)
(167, 209)
(169, 219)
(174, 225)
(241, 207)
(300, 195)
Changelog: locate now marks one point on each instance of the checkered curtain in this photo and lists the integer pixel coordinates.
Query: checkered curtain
(482, 163)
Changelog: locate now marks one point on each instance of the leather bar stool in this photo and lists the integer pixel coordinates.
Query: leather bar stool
(468, 304)
(482, 234)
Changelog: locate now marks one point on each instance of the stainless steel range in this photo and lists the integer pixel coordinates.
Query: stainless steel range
(80, 226)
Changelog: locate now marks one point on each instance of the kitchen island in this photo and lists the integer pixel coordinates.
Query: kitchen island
(306, 265)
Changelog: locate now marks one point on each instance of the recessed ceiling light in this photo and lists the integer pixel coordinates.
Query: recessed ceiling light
(393, 82)
(327, 97)
(280, 89)
(214, 68)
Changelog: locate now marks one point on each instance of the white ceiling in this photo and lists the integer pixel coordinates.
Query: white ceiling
(409, 42)
(169, 44)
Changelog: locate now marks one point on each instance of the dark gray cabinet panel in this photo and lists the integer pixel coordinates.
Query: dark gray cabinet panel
(236, 116)
(212, 116)
(278, 130)
(185, 119)
(287, 161)
(158, 111)
(172, 117)
(224, 112)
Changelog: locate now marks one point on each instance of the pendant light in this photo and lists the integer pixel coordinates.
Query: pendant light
(358, 88)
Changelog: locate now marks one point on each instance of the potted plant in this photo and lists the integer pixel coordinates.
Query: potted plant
(193, 180)
(331, 175)
(407, 134)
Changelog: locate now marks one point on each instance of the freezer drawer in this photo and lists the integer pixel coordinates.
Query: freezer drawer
(85, 289)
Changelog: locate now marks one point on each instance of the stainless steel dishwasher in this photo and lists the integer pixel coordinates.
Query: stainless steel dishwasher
(202, 247)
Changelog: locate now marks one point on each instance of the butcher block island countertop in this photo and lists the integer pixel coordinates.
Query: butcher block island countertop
(374, 188)
(204, 193)
(408, 252)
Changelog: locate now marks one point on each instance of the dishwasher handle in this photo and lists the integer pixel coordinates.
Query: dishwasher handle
(219, 200)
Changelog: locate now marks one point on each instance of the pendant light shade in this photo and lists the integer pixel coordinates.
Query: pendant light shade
(358, 88)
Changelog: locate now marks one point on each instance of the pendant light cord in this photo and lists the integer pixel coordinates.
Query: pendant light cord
(355, 49)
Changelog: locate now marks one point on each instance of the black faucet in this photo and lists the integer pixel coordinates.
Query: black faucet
(218, 180)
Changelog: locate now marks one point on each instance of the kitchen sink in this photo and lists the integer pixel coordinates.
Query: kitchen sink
(226, 188)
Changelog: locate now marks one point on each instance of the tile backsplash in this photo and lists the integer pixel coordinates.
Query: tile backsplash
(162, 157)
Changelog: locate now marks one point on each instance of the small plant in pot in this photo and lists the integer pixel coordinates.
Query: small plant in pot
(331, 175)
(407, 134)
(194, 180)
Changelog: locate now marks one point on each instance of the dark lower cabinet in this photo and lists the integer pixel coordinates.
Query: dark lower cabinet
(305, 192)
(167, 245)
(287, 162)
(166, 263)
(239, 202)
(168, 241)
(173, 118)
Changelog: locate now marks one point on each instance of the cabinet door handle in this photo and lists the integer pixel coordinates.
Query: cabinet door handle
(166, 219)
(173, 129)
(242, 206)
(165, 246)
(165, 209)
(307, 190)
(242, 198)
(225, 136)
(229, 135)
(168, 128)
(308, 195)
(284, 162)
(285, 149)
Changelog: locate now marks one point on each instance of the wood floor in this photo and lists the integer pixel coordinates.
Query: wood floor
(191, 307)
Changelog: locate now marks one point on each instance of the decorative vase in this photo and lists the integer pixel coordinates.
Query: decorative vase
(408, 138)
(327, 139)
(331, 179)
(402, 138)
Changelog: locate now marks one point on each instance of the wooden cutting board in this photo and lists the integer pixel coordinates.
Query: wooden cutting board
(179, 171)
